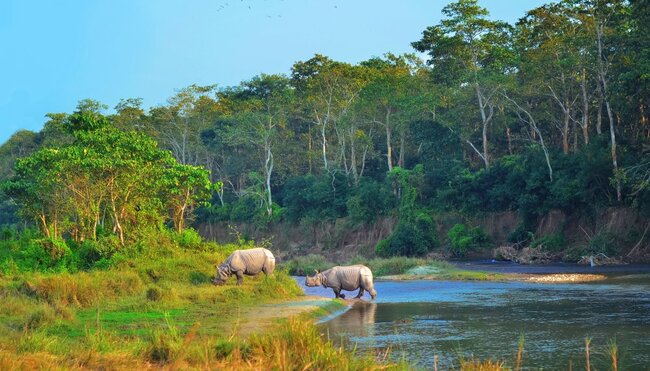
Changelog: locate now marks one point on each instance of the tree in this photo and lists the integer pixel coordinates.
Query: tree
(553, 58)
(327, 90)
(105, 172)
(468, 50)
(263, 105)
(390, 100)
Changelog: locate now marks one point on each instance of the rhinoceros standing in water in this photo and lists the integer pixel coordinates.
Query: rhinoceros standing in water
(245, 262)
(347, 278)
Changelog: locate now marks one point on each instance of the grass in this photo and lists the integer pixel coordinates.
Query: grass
(158, 307)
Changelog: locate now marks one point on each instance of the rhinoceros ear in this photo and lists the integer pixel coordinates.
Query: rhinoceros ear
(317, 271)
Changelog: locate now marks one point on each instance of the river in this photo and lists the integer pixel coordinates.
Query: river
(420, 320)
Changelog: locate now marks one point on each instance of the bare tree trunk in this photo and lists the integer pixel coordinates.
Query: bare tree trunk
(602, 72)
(309, 149)
(599, 118)
(535, 129)
(43, 220)
(575, 137)
(485, 120)
(269, 170)
(565, 131)
(509, 139)
(585, 107)
(353, 155)
(389, 146)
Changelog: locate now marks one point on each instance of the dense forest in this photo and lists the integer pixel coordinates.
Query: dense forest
(548, 114)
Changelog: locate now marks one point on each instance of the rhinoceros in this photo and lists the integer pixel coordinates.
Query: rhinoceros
(245, 262)
(347, 278)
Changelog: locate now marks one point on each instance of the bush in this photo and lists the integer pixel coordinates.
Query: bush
(409, 239)
(552, 242)
(188, 239)
(463, 240)
(164, 344)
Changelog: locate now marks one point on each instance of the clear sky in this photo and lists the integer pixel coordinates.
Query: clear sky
(55, 53)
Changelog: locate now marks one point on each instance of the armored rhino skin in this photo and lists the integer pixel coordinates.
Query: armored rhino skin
(245, 262)
(347, 278)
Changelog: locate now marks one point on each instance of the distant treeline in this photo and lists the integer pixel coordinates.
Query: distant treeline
(551, 113)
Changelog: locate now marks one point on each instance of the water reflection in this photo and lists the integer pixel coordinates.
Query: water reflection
(357, 321)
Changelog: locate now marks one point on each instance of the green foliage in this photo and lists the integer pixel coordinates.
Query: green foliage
(315, 198)
(318, 145)
(552, 242)
(415, 234)
(121, 175)
(603, 243)
(463, 240)
(369, 201)
(188, 238)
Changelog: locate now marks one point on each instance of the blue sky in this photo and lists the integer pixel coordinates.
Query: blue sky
(55, 53)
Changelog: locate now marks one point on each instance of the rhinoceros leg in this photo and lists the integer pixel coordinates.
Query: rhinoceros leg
(373, 293)
(240, 277)
(360, 294)
(337, 294)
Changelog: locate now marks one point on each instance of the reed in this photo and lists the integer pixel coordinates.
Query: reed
(612, 351)
(587, 355)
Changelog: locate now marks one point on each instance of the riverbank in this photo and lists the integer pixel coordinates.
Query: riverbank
(158, 309)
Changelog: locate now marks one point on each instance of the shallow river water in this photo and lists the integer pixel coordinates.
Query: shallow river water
(420, 320)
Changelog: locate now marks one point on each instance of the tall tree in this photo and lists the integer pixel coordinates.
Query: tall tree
(263, 105)
(327, 90)
(466, 49)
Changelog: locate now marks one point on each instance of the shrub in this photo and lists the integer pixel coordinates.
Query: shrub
(223, 349)
(415, 234)
(188, 238)
(409, 239)
(463, 240)
(154, 293)
(551, 242)
(244, 209)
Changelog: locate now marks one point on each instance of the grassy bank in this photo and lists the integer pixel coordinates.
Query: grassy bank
(157, 307)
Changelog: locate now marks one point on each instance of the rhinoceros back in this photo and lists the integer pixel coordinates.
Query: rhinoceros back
(252, 261)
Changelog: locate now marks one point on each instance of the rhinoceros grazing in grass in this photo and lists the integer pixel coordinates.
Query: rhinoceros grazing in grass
(347, 278)
(245, 262)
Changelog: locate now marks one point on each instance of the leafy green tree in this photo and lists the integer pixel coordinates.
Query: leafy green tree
(327, 89)
(105, 172)
(414, 234)
(391, 100)
(263, 106)
(468, 49)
